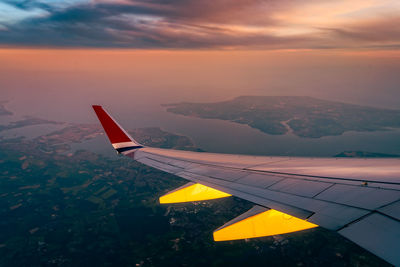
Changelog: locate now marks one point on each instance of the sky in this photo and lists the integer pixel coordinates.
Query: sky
(201, 24)
(63, 53)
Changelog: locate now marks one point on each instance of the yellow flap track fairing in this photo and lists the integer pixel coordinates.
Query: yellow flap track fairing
(192, 192)
(258, 222)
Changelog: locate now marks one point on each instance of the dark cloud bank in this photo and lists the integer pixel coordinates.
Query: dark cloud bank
(183, 24)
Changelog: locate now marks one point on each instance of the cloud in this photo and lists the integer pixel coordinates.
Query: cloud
(10, 14)
(186, 24)
(375, 31)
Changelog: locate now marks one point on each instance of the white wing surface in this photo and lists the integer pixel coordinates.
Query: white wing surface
(358, 198)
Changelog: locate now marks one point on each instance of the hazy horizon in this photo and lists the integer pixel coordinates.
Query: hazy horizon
(67, 82)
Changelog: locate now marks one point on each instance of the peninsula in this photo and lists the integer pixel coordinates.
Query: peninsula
(300, 115)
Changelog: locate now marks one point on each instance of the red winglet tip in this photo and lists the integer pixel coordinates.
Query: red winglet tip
(114, 132)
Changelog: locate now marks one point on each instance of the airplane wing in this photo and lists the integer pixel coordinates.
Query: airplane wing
(358, 198)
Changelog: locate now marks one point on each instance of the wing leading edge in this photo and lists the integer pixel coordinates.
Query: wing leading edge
(358, 198)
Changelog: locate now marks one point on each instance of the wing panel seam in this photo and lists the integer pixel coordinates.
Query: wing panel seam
(283, 173)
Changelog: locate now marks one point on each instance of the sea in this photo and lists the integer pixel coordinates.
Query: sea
(211, 135)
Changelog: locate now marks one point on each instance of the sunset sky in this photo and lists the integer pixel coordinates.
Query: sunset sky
(205, 24)
(206, 50)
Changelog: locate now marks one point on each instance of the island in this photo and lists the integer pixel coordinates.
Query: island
(300, 115)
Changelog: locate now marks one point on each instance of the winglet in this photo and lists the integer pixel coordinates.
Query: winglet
(118, 137)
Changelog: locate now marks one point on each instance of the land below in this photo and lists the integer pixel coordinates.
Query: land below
(302, 116)
(77, 208)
